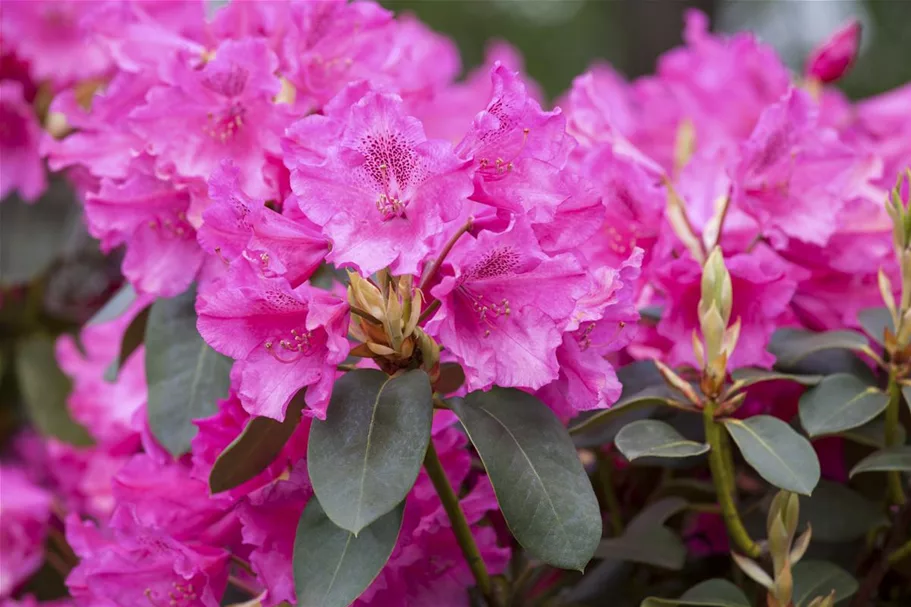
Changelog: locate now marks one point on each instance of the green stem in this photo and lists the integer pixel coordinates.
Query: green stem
(459, 524)
(608, 494)
(902, 553)
(895, 491)
(721, 465)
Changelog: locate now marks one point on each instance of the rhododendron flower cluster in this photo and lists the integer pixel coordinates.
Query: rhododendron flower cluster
(304, 191)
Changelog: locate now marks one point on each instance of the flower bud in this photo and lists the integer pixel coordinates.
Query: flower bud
(833, 58)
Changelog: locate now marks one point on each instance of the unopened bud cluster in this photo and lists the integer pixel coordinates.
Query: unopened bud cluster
(718, 339)
(897, 344)
(385, 319)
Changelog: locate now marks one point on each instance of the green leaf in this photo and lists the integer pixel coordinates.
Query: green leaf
(658, 546)
(186, 377)
(791, 345)
(255, 448)
(839, 403)
(872, 434)
(34, 235)
(906, 392)
(710, 593)
(133, 337)
(748, 376)
(116, 306)
(780, 455)
(838, 514)
(544, 492)
(819, 578)
(45, 389)
(652, 438)
(875, 321)
(364, 458)
(893, 458)
(332, 566)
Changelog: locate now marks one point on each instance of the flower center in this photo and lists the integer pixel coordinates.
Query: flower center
(225, 125)
(181, 595)
(290, 348)
(173, 225)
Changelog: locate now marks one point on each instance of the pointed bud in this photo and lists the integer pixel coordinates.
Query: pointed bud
(833, 58)
(365, 296)
(684, 145)
(676, 216)
(885, 291)
(698, 350)
(753, 570)
(801, 545)
(677, 382)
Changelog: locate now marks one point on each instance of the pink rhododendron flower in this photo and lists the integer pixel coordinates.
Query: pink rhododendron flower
(55, 38)
(142, 567)
(25, 509)
(225, 109)
(383, 189)
(23, 170)
(236, 225)
(763, 285)
(505, 304)
(829, 61)
(283, 338)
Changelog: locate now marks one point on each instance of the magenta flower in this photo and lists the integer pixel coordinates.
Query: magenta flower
(236, 225)
(143, 567)
(20, 135)
(505, 304)
(55, 38)
(830, 60)
(384, 189)
(225, 110)
(150, 215)
(790, 169)
(283, 338)
(26, 509)
(763, 285)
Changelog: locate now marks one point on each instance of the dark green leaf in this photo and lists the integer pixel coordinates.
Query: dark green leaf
(780, 455)
(133, 337)
(33, 236)
(830, 362)
(710, 593)
(452, 376)
(747, 376)
(186, 377)
(544, 492)
(791, 345)
(364, 458)
(875, 321)
(658, 546)
(116, 306)
(332, 566)
(840, 402)
(652, 438)
(819, 578)
(872, 434)
(255, 448)
(838, 514)
(893, 458)
(657, 513)
(45, 389)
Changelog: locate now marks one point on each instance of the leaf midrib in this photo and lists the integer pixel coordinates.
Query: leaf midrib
(742, 425)
(360, 496)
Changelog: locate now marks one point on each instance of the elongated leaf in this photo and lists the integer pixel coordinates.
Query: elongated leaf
(658, 546)
(657, 513)
(872, 434)
(116, 306)
(45, 389)
(332, 566)
(906, 392)
(133, 337)
(255, 448)
(819, 578)
(840, 402)
(186, 377)
(652, 438)
(748, 376)
(838, 513)
(545, 495)
(791, 345)
(780, 455)
(364, 458)
(893, 458)
(875, 321)
(710, 593)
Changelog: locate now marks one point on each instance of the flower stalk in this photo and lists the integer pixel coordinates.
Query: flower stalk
(460, 526)
(896, 493)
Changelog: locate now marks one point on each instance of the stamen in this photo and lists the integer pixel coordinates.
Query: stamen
(292, 349)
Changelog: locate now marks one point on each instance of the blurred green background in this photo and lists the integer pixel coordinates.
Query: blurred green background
(560, 38)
